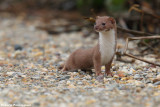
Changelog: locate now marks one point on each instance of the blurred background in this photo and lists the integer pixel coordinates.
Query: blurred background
(141, 15)
(37, 36)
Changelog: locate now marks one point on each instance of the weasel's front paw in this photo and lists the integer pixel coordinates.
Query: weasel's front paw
(109, 74)
(100, 78)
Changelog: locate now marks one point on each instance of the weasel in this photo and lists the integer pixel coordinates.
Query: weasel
(101, 54)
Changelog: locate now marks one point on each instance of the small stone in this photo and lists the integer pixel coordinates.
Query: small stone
(10, 73)
(116, 76)
(110, 87)
(19, 73)
(132, 70)
(62, 82)
(88, 77)
(100, 78)
(136, 82)
(38, 54)
(1, 79)
(80, 83)
(139, 83)
(76, 77)
(36, 104)
(43, 73)
(82, 73)
(35, 77)
(68, 82)
(125, 70)
(157, 83)
(158, 76)
(156, 79)
(121, 74)
(148, 81)
(144, 74)
(17, 47)
(65, 77)
(137, 76)
(103, 68)
(150, 85)
(124, 78)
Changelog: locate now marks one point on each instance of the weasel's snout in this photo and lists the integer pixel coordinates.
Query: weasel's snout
(96, 27)
(102, 28)
(108, 29)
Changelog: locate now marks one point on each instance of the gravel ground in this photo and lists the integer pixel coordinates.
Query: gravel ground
(29, 77)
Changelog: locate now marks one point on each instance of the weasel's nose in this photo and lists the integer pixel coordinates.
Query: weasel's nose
(96, 27)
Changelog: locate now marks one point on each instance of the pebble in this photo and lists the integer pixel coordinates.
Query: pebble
(18, 47)
(35, 77)
(79, 83)
(10, 73)
(137, 76)
(88, 77)
(82, 72)
(148, 81)
(144, 74)
(2, 78)
(139, 83)
(110, 87)
(65, 77)
(157, 83)
(158, 76)
(116, 76)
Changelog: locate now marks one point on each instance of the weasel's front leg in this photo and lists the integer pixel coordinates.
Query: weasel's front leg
(107, 68)
(97, 67)
(97, 64)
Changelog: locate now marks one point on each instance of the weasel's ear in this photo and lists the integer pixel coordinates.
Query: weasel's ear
(112, 20)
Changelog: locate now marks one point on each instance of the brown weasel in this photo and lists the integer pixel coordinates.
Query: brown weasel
(101, 54)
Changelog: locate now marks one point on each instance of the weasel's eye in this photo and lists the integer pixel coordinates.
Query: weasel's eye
(103, 24)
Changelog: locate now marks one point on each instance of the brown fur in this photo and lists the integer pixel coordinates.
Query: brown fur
(88, 58)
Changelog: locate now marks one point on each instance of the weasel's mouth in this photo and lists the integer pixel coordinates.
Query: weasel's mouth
(104, 30)
(98, 30)
(108, 29)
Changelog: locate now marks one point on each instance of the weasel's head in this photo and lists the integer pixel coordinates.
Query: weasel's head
(104, 24)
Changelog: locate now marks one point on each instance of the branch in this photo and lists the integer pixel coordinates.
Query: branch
(135, 7)
(134, 32)
(132, 56)
(129, 55)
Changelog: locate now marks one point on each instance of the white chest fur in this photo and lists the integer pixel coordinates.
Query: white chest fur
(107, 45)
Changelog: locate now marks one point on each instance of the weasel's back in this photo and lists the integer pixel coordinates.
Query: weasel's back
(80, 59)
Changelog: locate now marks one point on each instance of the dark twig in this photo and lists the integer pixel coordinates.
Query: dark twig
(151, 47)
(135, 7)
(148, 47)
(134, 32)
(129, 55)
(141, 25)
(138, 38)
